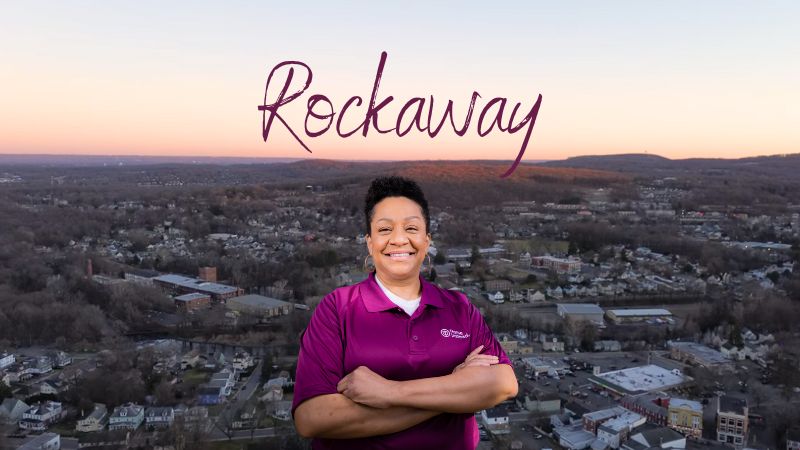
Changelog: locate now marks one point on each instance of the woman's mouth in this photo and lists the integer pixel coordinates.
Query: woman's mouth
(400, 256)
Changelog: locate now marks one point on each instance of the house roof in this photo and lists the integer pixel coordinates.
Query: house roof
(98, 412)
(497, 411)
(158, 411)
(12, 407)
(127, 410)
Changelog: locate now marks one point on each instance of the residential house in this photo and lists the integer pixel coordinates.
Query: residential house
(61, 360)
(536, 297)
(732, 421)
(11, 410)
(243, 361)
(541, 402)
(686, 416)
(496, 419)
(496, 298)
(551, 343)
(6, 360)
(126, 417)
(94, 421)
(208, 395)
(282, 410)
(50, 387)
(272, 394)
(41, 415)
(159, 417)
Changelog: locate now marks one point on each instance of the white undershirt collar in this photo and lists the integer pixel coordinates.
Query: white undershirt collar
(409, 306)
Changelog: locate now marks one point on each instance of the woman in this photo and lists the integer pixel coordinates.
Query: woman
(395, 362)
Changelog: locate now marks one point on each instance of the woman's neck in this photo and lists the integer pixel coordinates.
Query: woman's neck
(409, 289)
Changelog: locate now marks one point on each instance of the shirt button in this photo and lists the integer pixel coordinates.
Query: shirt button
(416, 338)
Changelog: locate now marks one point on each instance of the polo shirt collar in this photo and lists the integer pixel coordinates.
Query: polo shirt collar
(375, 300)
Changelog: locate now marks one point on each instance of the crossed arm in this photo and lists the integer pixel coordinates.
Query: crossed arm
(370, 405)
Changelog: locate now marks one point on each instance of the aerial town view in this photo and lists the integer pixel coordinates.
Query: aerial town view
(161, 305)
(358, 225)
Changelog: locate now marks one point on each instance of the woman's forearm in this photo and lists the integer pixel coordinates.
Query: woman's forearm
(465, 391)
(335, 416)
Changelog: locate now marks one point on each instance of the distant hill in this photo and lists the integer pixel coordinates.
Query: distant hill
(782, 166)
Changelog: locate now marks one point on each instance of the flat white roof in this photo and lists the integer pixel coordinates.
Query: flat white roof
(641, 379)
(579, 308)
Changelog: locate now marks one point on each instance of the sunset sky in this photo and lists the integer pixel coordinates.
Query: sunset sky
(679, 79)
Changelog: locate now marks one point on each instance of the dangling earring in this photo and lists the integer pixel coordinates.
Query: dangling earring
(430, 265)
(367, 268)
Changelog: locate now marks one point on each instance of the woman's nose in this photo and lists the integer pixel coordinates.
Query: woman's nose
(398, 237)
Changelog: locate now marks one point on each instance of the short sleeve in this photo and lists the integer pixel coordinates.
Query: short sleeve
(320, 365)
(482, 335)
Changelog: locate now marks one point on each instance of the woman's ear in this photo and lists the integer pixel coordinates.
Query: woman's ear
(369, 244)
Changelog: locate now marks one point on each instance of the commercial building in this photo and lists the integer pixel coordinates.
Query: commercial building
(558, 265)
(686, 417)
(639, 380)
(619, 316)
(192, 302)
(179, 285)
(653, 406)
(732, 421)
(260, 306)
(581, 311)
(698, 355)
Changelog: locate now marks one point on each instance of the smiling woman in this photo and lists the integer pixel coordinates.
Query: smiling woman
(395, 362)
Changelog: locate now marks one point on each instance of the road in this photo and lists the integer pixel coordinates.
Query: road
(234, 405)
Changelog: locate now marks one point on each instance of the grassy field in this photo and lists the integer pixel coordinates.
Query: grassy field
(195, 376)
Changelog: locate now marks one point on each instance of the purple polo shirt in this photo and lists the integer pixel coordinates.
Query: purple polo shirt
(359, 326)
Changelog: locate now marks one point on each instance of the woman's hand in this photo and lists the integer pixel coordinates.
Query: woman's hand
(476, 359)
(367, 387)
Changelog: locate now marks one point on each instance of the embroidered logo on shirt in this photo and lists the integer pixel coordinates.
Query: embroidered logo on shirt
(454, 334)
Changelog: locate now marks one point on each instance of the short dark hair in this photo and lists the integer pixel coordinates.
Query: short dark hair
(384, 187)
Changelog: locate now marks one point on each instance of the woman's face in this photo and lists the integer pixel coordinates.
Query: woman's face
(398, 240)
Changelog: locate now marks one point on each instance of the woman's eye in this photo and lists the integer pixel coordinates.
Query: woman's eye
(411, 229)
(381, 230)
